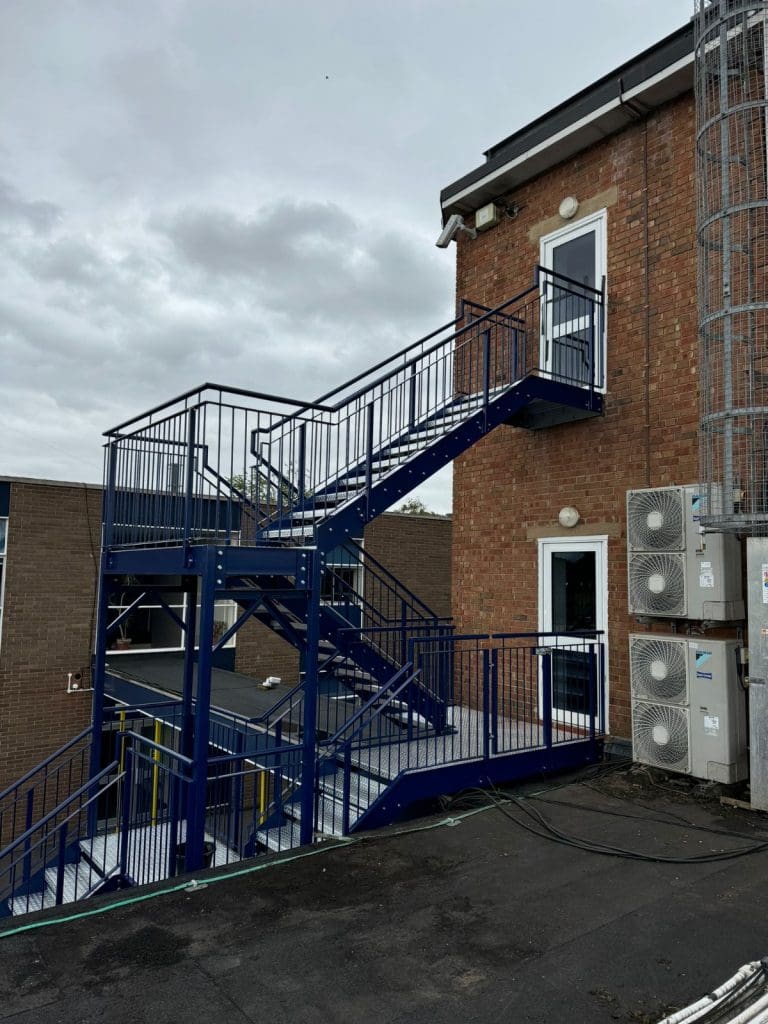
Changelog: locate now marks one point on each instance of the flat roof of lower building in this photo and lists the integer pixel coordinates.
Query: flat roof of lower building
(462, 918)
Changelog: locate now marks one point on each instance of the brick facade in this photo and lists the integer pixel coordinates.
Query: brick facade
(509, 488)
(49, 612)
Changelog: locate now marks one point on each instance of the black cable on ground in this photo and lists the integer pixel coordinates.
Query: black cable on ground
(539, 826)
(679, 823)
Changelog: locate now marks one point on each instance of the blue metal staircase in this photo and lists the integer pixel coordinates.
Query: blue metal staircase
(246, 496)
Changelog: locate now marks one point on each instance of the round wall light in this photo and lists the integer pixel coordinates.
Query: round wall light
(568, 207)
(569, 516)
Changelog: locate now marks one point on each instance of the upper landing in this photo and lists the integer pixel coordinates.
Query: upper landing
(230, 469)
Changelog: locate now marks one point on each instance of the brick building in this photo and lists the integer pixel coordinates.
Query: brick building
(600, 187)
(50, 536)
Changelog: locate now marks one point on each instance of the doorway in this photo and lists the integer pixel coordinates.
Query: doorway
(572, 330)
(573, 587)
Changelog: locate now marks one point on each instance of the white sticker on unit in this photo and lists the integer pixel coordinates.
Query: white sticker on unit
(711, 725)
(706, 578)
(706, 565)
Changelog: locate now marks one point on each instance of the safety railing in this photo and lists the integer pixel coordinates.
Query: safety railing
(227, 465)
(505, 694)
(43, 787)
(53, 854)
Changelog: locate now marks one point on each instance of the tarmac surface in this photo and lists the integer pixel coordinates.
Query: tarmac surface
(475, 921)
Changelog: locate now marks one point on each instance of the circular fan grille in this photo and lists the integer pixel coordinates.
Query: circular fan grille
(657, 584)
(660, 736)
(655, 520)
(659, 670)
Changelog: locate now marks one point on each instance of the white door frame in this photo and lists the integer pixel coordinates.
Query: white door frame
(597, 223)
(598, 544)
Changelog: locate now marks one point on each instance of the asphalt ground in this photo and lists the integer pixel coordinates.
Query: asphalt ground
(461, 919)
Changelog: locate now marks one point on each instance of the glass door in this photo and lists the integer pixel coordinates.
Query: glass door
(572, 596)
(571, 326)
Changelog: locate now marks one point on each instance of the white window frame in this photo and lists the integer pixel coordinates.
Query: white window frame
(597, 223)
(599, 545)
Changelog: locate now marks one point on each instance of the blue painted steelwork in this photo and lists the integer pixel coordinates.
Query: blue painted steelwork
(245, 495)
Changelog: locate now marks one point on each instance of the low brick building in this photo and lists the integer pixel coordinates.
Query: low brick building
(50, 536)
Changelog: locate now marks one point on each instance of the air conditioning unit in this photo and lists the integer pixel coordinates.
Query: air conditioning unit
(688, 706)
(675, 570)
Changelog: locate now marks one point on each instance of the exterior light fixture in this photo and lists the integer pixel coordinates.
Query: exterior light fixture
(568, 207)
(568, 517)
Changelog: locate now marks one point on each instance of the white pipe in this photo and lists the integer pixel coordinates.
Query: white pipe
(697, 1010)
(753, 1013)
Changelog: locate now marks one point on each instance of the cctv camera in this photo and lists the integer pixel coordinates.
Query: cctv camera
(453, 226)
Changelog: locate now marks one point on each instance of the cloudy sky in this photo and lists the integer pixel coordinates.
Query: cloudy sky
(246, 191)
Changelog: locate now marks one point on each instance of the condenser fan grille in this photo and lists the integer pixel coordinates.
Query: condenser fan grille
(660, 736)
(658, 669)
(657, 584)
(655, 520)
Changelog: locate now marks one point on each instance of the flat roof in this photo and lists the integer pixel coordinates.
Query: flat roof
(470, 918)
(655, 76)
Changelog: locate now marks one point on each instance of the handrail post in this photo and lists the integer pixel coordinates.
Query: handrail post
(412, 398)
(546, 699)
(486, 703)
(601, 695)
(190, 475)
(486, 367)
(61, 860)
(309, 753)
(369, 451)
(109, 497)
(592, 659)
(301, 466)
(494, 712)
(346, 790)
(126, 822)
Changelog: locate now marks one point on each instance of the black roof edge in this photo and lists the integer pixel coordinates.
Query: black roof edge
(623, 78)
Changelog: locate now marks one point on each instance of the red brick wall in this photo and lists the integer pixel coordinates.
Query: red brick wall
(512, 485)
(416, 549)
(48, 619)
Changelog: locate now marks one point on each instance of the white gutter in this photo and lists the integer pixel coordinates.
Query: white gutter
(589, 120)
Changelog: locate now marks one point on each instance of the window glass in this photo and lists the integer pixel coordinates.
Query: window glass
(3, 534)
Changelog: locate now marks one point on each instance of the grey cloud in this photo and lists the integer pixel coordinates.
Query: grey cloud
(37, 214)
(220, 242)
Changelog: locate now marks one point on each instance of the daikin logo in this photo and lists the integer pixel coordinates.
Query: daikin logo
(702, 657)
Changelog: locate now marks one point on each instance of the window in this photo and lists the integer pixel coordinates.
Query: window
(3, 543)
(151, 628)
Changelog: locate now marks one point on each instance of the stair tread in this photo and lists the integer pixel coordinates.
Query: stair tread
(79, 880)
(282, 837)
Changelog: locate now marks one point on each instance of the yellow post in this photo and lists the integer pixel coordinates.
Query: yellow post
(156, 770)
(262, 795)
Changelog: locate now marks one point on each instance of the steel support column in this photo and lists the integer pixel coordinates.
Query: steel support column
(309, 753)
(202, 713)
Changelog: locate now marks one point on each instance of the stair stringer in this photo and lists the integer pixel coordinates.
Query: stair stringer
(349, 520)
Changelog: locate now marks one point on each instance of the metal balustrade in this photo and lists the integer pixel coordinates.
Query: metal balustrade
(226, 465)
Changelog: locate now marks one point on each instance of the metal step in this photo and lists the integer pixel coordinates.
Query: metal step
(79, 880)
(284, 837)
(29, 904)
